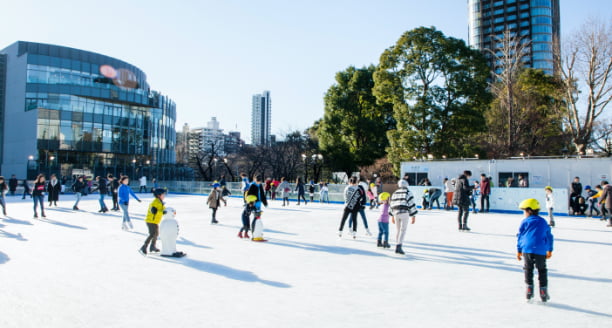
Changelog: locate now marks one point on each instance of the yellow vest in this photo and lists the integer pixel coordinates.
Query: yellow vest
(157, 217)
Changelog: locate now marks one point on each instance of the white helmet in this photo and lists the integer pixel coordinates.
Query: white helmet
(402, 183)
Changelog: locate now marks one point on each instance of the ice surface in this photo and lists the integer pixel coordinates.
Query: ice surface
(79, 269)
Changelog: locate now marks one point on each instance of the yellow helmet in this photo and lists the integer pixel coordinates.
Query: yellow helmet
(548, 187)
(384, 196)
(530, 203)
(251, 198)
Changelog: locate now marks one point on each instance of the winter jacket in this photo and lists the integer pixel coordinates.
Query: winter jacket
(463, 190)
(102, 187)
(354, 197)
(402, 201)
(258, 190)
(155, 212)
(39, 189)
(124, 194)
(214, 199)
(606, 197)
(384, 214)
(534, 236)
(53, 190)
(550, 200)
(284, 189)
(485, 187)
(13, 184)
(79, 186)
(576, 189)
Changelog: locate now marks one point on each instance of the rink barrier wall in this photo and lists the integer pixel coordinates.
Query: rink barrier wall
(502, 200)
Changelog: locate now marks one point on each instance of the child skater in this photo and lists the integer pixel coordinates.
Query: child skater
(425, 204)
(535, 243)
(154, 215)
(371, 197)
(383, 221)
(249, 208)
(550, 201)
(214, 201)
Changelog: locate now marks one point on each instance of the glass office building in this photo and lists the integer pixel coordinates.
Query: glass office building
(261, 119)
(71, 112)
(535, 22)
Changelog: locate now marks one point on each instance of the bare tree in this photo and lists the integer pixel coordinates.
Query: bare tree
(508, 64)
(586, 68)
(602, 137)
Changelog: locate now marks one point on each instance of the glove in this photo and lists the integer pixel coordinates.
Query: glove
(519, 256)
(140, 201)
(548, 255)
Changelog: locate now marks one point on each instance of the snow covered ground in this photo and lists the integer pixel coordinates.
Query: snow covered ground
(79, 269)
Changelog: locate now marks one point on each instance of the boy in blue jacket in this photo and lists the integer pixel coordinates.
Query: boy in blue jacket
(535, 243)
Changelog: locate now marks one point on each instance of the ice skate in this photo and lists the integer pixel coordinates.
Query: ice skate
(240, 235)
(386, 244)
(154, 250)
(124, 226)
(130, 225)
(529, 292)
(379, 243)
(143, 251)
(368, 233)
(399, 250)
(544, 294)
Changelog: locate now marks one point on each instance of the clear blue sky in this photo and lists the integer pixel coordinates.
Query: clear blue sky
(210, 57)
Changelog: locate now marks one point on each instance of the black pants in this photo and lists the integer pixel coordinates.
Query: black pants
(345, 214)
(115, 200)
(246, 226)
(214, 213)
(539, 261)
(153, 233)
(462, 216)
(484, 199)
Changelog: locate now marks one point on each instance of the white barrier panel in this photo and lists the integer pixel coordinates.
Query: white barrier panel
(508, 199)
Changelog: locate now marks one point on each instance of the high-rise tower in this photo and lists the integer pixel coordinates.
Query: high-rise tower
(261, 119)
(534, 22)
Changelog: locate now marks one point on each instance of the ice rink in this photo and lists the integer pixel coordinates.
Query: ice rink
(79, 269)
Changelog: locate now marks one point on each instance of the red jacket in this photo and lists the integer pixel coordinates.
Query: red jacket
(485, 187)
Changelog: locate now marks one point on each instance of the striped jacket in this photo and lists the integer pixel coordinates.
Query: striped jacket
(402, 201)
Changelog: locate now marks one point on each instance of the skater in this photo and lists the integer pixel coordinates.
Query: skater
(362, 189)
(168, 232)
(103, 189)
(53, 190)
(257, 189)
(474, 196)
(371, 197)
(592, 202)
(299, 187)
(461, 198)
(606, 201)
(449, 188)
(383, 222)
(425, 204)
(214, 201)
(13, 182)
(324, 193)
(402, 209)
(26, 189)
(124, 199)
(485, 191)
(244, 184)
(154, 215)
(78, 187)
(3, 189)
(249, 208)
(535, 244)
(143, 184)
(434, 196)
(38, 194)
(353, 198)
(113, 184)
(576, 191)
(284, 189)
(550, 204)
(224, 193)
(311, 190)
